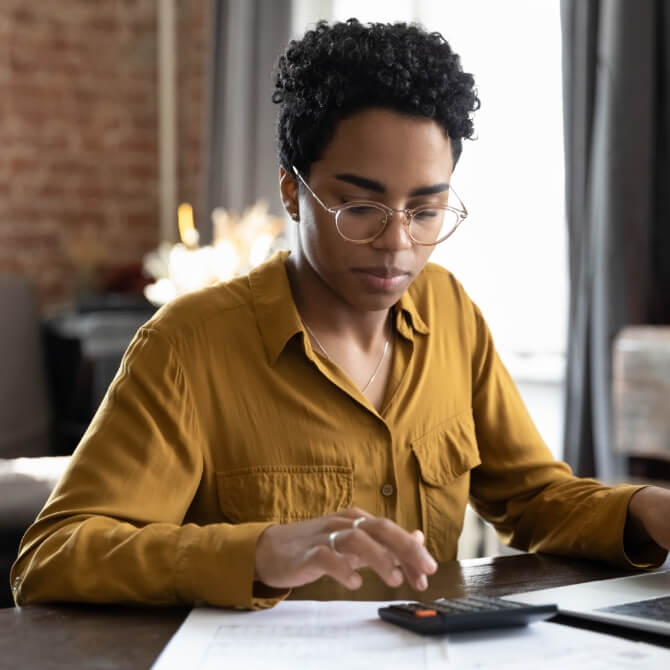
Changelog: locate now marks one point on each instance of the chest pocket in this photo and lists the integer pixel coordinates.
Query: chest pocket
(284, 493)
(445, 456)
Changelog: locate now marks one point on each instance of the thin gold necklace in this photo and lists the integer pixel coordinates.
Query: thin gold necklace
(329, 357)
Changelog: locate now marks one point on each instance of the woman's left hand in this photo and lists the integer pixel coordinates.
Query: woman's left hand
(649, 517)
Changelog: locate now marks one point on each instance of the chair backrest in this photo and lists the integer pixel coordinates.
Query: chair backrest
(24, 407)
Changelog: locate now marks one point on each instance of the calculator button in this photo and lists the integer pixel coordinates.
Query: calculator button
(425, 613)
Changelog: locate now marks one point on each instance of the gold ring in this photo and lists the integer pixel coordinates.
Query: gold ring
(358, 522)
(331, 542)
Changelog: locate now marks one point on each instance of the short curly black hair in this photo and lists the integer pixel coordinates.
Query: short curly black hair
(339, 69)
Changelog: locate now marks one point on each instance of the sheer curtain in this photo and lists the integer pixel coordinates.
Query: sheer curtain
(511, 254)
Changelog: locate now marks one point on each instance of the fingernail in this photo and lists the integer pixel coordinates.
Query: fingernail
(430, 565)
(422, 583)
(396, 577)
(355, 581)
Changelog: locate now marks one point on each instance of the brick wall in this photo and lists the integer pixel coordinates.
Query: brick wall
(78, 134)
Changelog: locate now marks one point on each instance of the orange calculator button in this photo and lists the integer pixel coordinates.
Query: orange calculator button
(423, 613)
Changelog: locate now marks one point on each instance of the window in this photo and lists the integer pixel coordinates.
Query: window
(511, 253)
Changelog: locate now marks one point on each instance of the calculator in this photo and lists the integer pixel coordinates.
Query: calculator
(463, 614)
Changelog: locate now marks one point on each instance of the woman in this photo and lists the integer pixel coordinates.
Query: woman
(337, 407)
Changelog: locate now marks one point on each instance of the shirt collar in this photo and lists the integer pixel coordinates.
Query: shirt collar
(278, 317)
(276, 313)
(407, 307)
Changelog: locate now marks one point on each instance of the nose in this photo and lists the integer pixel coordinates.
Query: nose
(396, 234)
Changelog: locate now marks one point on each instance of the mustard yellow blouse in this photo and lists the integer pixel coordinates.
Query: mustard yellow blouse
(222, 420)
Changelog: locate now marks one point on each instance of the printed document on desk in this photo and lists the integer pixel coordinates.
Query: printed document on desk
(299, 634)
(350, 635)
(552, 646)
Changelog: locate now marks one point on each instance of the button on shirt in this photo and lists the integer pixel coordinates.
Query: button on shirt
(223, 420)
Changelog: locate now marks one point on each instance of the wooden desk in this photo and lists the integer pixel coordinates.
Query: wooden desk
(86, 636)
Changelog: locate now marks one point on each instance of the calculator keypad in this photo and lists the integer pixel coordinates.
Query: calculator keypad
(460, 614)
(472, 604)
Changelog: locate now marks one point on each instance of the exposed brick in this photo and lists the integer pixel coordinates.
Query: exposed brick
(78, 132)
(23, 17)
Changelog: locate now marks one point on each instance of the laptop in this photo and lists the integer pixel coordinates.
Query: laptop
(640, 601)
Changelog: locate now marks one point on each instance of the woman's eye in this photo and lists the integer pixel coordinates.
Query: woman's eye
(360, 210)
(425, 214)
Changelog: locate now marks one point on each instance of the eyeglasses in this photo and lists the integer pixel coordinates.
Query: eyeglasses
(363, 221)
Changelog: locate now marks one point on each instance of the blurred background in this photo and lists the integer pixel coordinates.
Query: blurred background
(137, 162)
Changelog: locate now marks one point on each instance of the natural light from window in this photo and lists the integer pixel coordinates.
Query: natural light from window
(510, 254)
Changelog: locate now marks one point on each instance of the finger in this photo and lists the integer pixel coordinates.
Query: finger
(357, 562)
(366, 551)
(415, 576)
(353, 513)
(351, 518)
(414, 558)
(322, 559)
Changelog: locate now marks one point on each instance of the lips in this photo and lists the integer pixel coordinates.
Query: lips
(382, 279)
(383, 272)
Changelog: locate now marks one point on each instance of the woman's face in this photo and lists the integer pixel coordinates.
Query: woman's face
(377, 155)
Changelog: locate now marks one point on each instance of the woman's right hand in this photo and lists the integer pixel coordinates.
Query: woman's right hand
(293, 554)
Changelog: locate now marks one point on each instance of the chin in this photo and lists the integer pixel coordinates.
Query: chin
(375, 303)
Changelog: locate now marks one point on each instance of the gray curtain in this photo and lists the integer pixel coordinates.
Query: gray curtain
(240, 159)
(616, 69)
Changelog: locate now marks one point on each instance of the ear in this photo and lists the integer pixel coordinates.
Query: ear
(288, 188)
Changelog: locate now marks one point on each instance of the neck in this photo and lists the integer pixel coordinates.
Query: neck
(327, 314)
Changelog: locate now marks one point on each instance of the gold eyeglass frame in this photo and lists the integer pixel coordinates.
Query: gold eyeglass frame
(461, 213)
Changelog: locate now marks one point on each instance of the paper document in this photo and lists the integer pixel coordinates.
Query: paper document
(552, 646)
(299, 634)
(350, 636)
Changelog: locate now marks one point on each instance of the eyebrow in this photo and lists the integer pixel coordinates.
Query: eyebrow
(378, 187)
